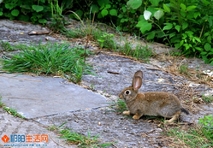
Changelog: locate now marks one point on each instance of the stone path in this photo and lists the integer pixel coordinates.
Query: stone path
(11, 125)
(34, 96)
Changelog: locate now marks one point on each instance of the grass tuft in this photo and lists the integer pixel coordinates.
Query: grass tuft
(6, 46)
(76, 138)
(50, 59)
(140, 52)
(10, 110)
(120, 105)
(198, 136)
(107, 41)
(183, 69)
(207, 99)
(81, 140)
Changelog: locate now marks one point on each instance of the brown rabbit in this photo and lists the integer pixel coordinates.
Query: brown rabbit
(150, 103)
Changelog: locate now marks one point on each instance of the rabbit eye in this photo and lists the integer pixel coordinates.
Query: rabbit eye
(127, 92)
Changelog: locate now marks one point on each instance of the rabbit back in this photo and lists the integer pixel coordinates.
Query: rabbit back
(161, 104)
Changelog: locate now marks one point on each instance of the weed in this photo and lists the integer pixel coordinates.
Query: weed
(6, 46)
(106, 40)
(75, 33)
(120, 105)
(207, 127)
(198, 136)
(10, 110)
(140, 52)
(183, 69)
(53, 128)
(76, 138)
(81, 140)
(50, 59)
(207, 99)
(1, 103)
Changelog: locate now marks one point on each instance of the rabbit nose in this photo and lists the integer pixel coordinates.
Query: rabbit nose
(120, 96)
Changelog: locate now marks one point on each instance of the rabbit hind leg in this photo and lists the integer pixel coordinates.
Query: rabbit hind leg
(174, 117)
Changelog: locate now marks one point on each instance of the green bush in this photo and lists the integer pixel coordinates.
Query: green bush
(186, 25)
(38, 11)
(33, 11)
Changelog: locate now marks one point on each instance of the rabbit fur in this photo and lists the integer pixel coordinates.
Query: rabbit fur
(150, 103)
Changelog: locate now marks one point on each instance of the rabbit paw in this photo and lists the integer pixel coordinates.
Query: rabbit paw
(174, 118)
(136, 117)
(126, 112)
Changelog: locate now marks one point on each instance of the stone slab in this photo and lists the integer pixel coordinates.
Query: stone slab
(37, 96)
(10, 125)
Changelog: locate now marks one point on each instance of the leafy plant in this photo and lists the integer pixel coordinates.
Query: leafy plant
(34, 11)
(106, 40)
(177, 24)
(50, 59)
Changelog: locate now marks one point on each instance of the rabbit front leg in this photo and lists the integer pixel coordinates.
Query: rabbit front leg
(137, 115)
(126, 112)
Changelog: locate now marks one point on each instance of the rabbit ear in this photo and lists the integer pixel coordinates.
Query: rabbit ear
(139, 73)
(136, 82)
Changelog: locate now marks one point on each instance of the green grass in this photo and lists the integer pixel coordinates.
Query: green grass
(1, 103)
(6, 46)
(75, 33)
(119, 105)
(10, 110)
(183, 69)
(207, 99)
(79, 139)
(83, 141)
(107, 41)
(200, 136)
(50, 59)
(140, 52)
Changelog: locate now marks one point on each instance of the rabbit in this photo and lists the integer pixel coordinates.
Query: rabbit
(162, 104)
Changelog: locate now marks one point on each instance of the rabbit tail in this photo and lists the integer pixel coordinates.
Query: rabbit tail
(185, 111)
